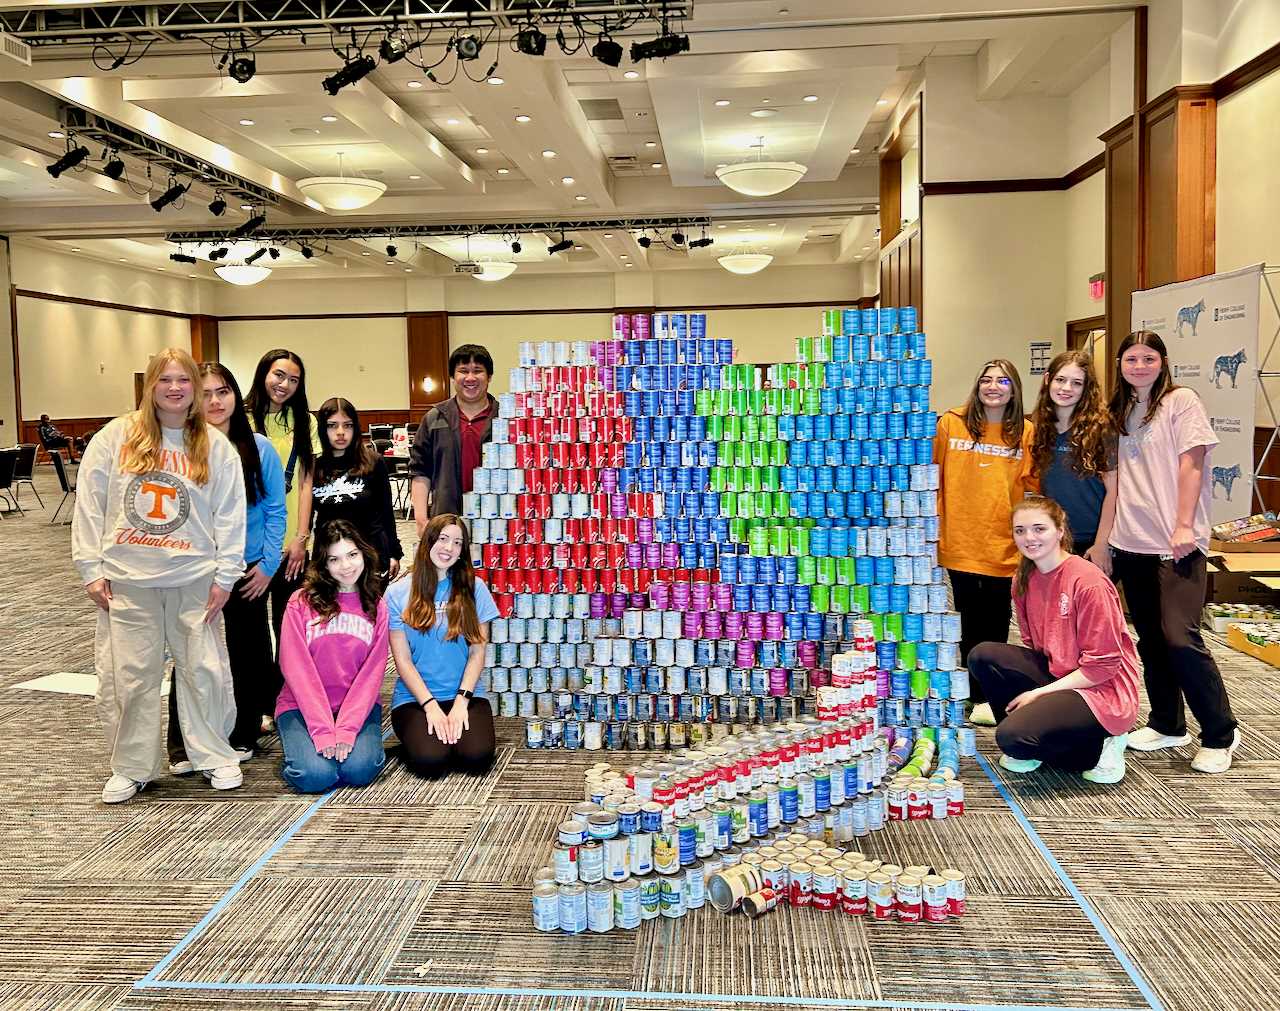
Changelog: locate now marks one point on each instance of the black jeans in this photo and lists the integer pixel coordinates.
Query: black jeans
(986, 608)
(1058, 729)
(1165, 599)
(428, 756)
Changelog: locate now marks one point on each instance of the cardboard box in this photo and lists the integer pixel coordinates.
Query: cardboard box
(1239, 588)
(1257, 533)
(1243, 547)
(1238, 639)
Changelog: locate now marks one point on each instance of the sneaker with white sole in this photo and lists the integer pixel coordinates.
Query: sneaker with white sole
(1214, 760)
(267, 725)
(183, 768)
(1110, 767)
(119, 789)
(982, 716)
(1019, 765)
(225, 777)
(244, 754)
(1150, 739)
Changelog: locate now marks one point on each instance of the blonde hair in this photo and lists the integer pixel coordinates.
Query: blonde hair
(144, 441)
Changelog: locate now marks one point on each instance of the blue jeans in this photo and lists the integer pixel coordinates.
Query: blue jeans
(308, 771)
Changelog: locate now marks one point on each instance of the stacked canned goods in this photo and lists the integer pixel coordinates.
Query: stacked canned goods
(676, 540)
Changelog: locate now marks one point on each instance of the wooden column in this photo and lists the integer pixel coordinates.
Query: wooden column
(1122, 229)
(427, 339)
(204, 338)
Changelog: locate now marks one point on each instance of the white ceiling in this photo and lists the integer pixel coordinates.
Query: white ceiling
(823, 75)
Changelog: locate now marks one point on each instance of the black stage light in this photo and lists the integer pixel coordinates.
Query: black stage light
(531, 41)
(114, 168)
(275, 253)
(677, 238)
(560, 246)
(701, 243)
(306, 252)
(181, 258)
(659, 48)
(350, 72)
(217, 206)
(250, 226)
(69, 159)
(254, 257)
(391, 250)
(395, 47)
(467, 46)
(644, 242)
(242, 68)
(219, 253)
(516, 247)
(607, 52)
(169, 196)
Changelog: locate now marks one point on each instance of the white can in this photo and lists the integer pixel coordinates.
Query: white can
(600, 908)
(617, 858)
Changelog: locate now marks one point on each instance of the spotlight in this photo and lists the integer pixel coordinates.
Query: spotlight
(701, 243)
(307, 252)
(396, 47)
(219, 253)
(659, 48)
(644, 242)
(275, 253)
(242, 68)
(467, 46)
(531, 41)
(254, 257)
(250, 226)
(516, 247)
(391, 250)
(607, 52)
(69, 159)
(217, 206)
(560, 246)
(349, 73)
(169, 196)
(114, 168)
(181, 258)
(677, 238)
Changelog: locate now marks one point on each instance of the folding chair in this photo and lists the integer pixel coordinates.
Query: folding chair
(68, 487)
(24, 470)
(8, 462)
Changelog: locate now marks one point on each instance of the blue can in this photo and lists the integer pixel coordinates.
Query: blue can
(688, 836)
(813, 625)
(602, 708)
(664, 708)
(887, 655)
(758, 815)
(623, 707)
(572, 735)
(900, 684)
(684, 707)
(654, 679)
(822, 791)
(933, 712)
(651, 818)
(613, 735)
(955, 712)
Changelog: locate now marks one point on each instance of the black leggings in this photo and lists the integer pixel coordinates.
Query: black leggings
(985, 604)
(428, 756)
(1058, 729)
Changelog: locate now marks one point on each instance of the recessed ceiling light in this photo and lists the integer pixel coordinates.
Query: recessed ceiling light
(451, 122)
(722, 102)
(496, 80)
(722, 226)
(856, 150)
(328, 119)
(415, 178)
(650, 143)
(548, 153)
(721, 164)
(122, 260)
(246, 122)
(656, 164)
(608, 235)
(246, 207)
(75, 249)
(866, 248)
(191, 275)
(408, 270)
(503, 171)
(773, 224)
(579, 197)
(810, 98)
(415, 84)
(522, 118)
(567, 180)
(763, 113)
(390, 262)
(577, 249)
(628, 264)
(366, 253)
(631, 75)
(56, 134)
(482, 150)
(765, 101)
(882, 101)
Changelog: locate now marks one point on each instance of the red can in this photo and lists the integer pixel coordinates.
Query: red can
(542, 555)
(550, 581)
(524, 456)
(569, 579)
(560, 455)
(597, 555)
(570, 479)
(578, 454)
(535, 480)
(525, 556)
(588, 581)
(592, 531)
(580, 556)
(608, 580)
(505, 602)
(615, 556)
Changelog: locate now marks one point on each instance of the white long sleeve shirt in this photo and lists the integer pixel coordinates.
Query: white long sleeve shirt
(158, 529)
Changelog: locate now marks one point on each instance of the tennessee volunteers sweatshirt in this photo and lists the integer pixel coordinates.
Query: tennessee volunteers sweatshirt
(980, 482)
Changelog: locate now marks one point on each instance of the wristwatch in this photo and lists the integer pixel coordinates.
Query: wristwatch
(466, 694)
(430, 699)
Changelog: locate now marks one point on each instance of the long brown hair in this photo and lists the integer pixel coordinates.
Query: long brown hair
(1092, 433)
(975, 415)
(144, 441)
(359, 459)
(461, 608)
(1123, 399)
(1055, 513)
(320, 589)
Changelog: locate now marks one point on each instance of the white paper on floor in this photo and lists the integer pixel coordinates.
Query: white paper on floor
(71, 683)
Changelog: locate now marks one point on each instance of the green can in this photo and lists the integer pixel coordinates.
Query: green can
(820, 598)
(861, 599)
(821, 349)
(744, 505)
(826, 572)
(738, 402)
(877, 624)
(806, 570)
(799, 542)
(703, 402)
(758, 541)
(804, 349)
(919, 683)
(777, 541)
(715, 426)
(812, 402)
(759, 454)
(778, 453)
(738, 530)
(840, 599)
(832, 322)
(893, 626)
(750, 428)
(741, 454)
(845, 574)
(729, 506)
(769, 426)
(782, 503)
(732, 428)
(773, 401)
(790, 401)
(718, 478)
(770, 478)
(929, 734)
(761, 504)
(907, 655)
(756, 400)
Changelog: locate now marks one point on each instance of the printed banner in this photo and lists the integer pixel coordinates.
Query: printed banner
(1210, 326)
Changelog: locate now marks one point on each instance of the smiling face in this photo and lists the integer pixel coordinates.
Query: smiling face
(1067, 386)
(345, 564)
(1140, 366)
(470, 381)
(219, 400)
(174, 391)
(447, 548)
(1036, 535)
(341, 432)
(282, 381)
(995, 388)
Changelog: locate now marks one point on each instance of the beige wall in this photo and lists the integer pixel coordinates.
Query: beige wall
(364, 360)
(1088, 117)
(78, 361)
(39, 267)
(1248, 227)
(1084, 230)
(994, 280)
(8, 389)
(502, 335)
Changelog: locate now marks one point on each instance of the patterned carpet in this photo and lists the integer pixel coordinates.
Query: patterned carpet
(415, 895)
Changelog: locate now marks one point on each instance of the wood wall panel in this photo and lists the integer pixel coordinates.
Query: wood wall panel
(1121, 230)
(428, 337)
(890, 200)
(204, 338)
(81, 427)
(1160, 199)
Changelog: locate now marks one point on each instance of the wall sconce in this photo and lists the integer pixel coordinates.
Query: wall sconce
(428, 385)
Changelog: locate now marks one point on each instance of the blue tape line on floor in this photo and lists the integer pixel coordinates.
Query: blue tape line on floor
(1085, 906)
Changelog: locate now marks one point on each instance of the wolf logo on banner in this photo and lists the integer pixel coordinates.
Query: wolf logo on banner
(1225, 476)
(1190, 314)
(1228, 365)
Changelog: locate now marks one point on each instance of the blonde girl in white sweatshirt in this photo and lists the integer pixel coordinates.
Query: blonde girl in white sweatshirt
(158, 539)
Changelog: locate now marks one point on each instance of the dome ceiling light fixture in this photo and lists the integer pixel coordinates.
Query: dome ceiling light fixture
(745, 261)
(341, 192)
(242, 273)
(761, 178)
(495, 270)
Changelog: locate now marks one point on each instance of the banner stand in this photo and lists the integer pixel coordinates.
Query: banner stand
(1264, 372)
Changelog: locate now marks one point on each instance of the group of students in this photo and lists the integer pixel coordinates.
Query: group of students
(1040, 515)
(205, 522)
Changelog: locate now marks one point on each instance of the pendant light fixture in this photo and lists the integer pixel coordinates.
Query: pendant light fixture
(341, 192)
(745, 262)
(495, 270)
(242, 273)
(761, 178)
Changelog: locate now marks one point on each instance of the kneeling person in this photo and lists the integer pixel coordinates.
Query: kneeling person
(333, 655)
(439, 627)
(1070, 695)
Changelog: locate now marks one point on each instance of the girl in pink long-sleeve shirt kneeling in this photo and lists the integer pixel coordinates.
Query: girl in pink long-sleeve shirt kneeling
(333, 655)
(1070, 695)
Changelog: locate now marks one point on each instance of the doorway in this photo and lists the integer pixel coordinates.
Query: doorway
(1090, 335)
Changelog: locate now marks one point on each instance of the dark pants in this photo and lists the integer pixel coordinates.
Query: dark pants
(428, 756)
(280, 590)
(986, 607)
(249, 652)
(1165, 599)
(1058, 729)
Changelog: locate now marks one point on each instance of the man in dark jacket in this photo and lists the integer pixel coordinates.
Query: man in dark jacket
(446, 448)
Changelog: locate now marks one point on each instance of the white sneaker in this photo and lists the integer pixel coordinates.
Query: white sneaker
(244, 754)
(225, 777)
(982, 716)
(1211, 760)
(1019, 765)
(1110, 767)
(119, 789)
(183, 768)
(1149, 739)
(268, 725)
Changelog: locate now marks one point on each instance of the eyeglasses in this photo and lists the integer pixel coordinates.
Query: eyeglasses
(1004, 381)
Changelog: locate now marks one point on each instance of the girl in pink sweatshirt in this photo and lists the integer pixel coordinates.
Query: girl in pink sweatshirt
(333, 655)
(1070, 695)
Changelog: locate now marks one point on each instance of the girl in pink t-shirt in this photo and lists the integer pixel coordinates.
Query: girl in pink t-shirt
(1159, 543)
(1069, 696)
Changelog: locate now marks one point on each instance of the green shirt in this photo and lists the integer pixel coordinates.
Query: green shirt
(279, 429)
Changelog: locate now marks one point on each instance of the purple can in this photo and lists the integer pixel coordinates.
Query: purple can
(599, 605)
(712, 625)
(691, 625)
(733, 625)
(660, 595)
(680, 596)
(745, 654)
(617, 605)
